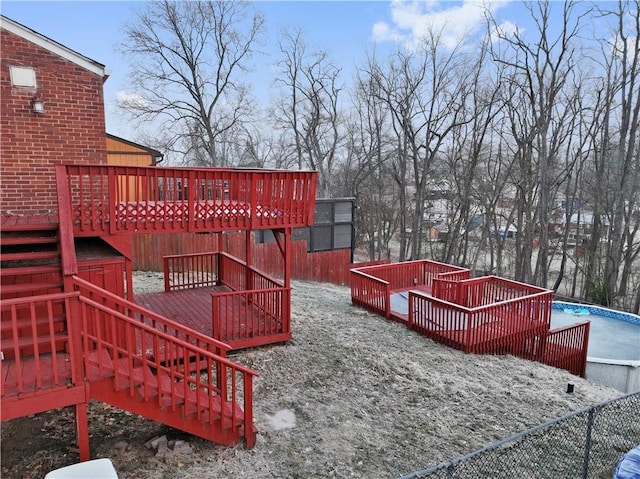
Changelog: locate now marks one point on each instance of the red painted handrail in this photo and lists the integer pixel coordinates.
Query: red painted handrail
(240, 315)
(44, 340)
(110, 199)
(102, 354)
(566, 348)
(186, 271)
(150, 318)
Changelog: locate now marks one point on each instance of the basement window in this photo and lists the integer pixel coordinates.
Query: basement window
(24, 77)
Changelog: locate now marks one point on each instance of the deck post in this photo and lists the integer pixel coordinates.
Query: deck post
(65, 227)
(248, 260)
(112, 199)
(82, 431)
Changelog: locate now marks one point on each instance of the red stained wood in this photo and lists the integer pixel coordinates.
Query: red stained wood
(486, 315)
(188, 307)
(151, 355)
(192, 308)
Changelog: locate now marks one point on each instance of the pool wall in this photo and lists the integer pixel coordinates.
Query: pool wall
(623, 375)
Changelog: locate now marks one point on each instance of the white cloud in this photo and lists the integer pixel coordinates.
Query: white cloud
(504, 30)
(130, 100)
(411, 20)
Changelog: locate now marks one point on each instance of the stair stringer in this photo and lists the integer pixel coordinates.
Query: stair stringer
(104, 390)
(141, 368)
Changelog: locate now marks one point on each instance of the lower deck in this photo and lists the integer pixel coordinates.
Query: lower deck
(237, 319)
(189, 307)
(493, 331)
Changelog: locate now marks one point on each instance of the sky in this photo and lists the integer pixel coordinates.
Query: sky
(346, 30)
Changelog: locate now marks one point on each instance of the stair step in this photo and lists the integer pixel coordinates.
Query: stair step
(26, 344)
(31, 224)
(152, 398)
(49, 286)
(41, 324)
(101, 367)
(29, 270)
(24, 240)
(193, 402)
(29, 255)
(169, 388)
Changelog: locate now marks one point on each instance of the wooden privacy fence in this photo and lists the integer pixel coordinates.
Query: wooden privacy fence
(324, 266)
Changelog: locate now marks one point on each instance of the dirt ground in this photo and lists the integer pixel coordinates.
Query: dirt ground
(352, 395)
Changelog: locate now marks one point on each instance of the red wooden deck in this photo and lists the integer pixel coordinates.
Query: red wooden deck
(244, 325)
(28, 378)
(188, 307)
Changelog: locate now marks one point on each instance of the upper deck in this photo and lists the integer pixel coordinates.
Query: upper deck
(107, 199)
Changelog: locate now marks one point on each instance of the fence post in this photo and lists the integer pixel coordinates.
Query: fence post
(450, 471)
(587, 444)
(387, 301)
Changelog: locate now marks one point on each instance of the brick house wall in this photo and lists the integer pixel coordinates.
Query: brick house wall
(71, 130)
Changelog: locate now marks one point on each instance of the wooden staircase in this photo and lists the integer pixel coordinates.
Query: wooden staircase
(29, 260)
(166, 395)
(68, 348)
(30, 266)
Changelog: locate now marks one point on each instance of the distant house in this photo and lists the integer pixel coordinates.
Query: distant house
(125, 152)
(580, 227)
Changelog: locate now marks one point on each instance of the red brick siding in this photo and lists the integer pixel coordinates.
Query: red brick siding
(72, 129)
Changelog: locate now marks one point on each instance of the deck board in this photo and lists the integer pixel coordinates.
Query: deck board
(193, 308)
(22, 222)
(30, 374)
(189, 307)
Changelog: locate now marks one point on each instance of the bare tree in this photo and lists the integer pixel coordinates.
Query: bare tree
(540, 69)
(623, 69)
(369, 148)
(424, 92)
(309, 108)
(187, 59)
(469, 145)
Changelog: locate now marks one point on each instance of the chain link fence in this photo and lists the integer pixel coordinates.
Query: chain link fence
(586, 444)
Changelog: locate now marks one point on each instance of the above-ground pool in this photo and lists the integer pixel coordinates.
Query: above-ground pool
(609, 337)
(613, 355)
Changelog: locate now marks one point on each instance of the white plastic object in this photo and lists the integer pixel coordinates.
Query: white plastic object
(96, 469)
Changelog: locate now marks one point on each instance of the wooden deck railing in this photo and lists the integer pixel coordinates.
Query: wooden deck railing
(247, 317)
(149, 318)
(498, 328)
(257, 309)
(492, 289)
(371, 286)
(235, 274)
(113, 199)
(371, 293)
(457, 274)
(410, 273)
(43, 346)
(211, 377)
(481, 291)
(190, 271)
(255, 312)
(566, 348)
